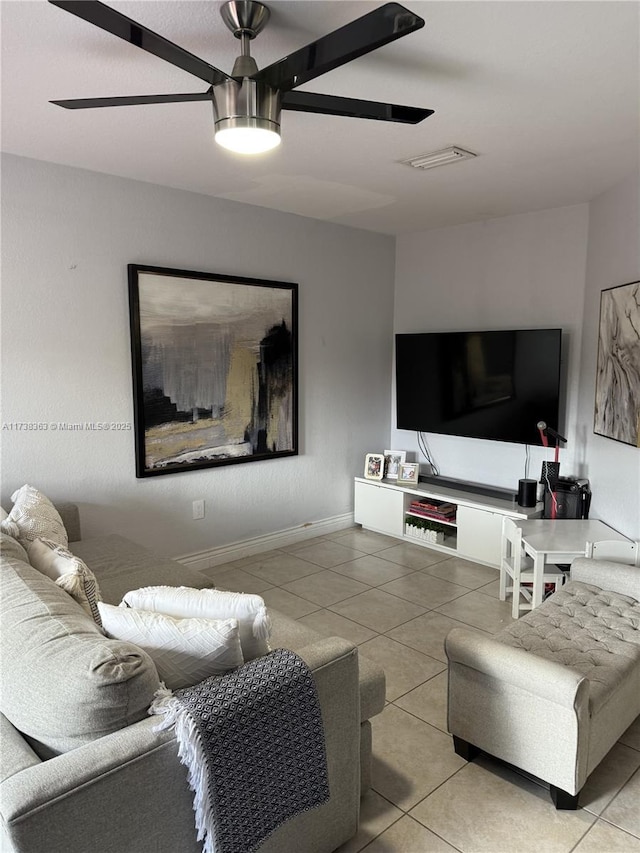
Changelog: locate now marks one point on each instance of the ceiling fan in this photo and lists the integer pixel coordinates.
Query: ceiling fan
(247, 102)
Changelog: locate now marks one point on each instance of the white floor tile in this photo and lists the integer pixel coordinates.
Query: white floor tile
(397, 602)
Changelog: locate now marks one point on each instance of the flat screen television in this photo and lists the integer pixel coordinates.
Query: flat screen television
(492, 385)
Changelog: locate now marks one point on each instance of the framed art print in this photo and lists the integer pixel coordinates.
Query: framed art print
(392, 462)
(374, 466)
(617, 402)
(215, 375)
(408, 473)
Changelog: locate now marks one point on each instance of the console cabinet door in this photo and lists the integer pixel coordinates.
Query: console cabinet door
(479, 535)
(379, 508)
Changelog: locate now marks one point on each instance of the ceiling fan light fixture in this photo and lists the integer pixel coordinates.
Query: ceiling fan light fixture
(246, 135)
(246, 116)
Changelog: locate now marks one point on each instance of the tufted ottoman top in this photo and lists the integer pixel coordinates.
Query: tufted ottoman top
(591, 630)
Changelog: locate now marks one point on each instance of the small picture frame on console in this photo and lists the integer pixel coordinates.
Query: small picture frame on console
(392, 461)
(408, 472)
(374, 466)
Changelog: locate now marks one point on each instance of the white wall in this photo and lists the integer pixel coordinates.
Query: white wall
(613, 258)
(67, 237)
(523, 271)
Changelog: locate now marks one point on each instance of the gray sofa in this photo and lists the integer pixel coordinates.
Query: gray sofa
(126, 791)
(553, 692)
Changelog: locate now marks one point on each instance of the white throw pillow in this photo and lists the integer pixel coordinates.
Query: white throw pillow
(185, 651)
(34, 516)
(68, 572)
(183, 601)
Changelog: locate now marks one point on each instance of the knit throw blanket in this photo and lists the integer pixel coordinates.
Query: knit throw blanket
(253, 743)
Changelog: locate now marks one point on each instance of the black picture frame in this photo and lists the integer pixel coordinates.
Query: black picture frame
(215, 369)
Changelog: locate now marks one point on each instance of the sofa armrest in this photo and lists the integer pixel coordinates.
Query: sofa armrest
(35, 788)
(128, 790)
(615, 577)
(547, 679)
(70, 515)
(15, 751)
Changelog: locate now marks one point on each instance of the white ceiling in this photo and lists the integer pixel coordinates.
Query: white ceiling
(546, 93)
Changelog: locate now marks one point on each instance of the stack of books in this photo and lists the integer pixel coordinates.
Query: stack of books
(437, 510)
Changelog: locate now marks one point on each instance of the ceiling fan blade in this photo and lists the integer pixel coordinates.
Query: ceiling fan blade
(371, 31)
(119, 25)
(128, 101)
(309, 102)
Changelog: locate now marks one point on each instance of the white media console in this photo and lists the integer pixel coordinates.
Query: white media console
(475, 534)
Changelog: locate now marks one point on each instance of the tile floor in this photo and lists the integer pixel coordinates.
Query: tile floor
(397, 602)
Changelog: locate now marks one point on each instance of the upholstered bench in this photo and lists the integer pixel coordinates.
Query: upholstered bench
(553, 691)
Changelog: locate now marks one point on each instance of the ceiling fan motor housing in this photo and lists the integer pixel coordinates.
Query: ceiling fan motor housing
(248, 103)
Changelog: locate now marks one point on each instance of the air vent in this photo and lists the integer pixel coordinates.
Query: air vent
(439, 158)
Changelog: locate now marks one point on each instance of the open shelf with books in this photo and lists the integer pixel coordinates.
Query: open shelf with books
(431, 521)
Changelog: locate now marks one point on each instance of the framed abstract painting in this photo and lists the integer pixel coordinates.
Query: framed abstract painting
(215, 369)
(617, 403)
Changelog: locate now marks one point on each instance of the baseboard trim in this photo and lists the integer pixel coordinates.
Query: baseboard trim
(211, 557)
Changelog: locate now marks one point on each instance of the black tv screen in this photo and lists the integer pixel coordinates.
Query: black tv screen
(490, 385)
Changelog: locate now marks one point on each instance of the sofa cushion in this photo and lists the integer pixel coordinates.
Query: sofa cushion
(121, 565)
(63, 683)
(185, 651)
(68, 572)
(183, 602)
(10, 547)
(591, 630)
(32, 516)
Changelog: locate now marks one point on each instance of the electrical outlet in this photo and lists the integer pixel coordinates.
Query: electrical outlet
(198, 509)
